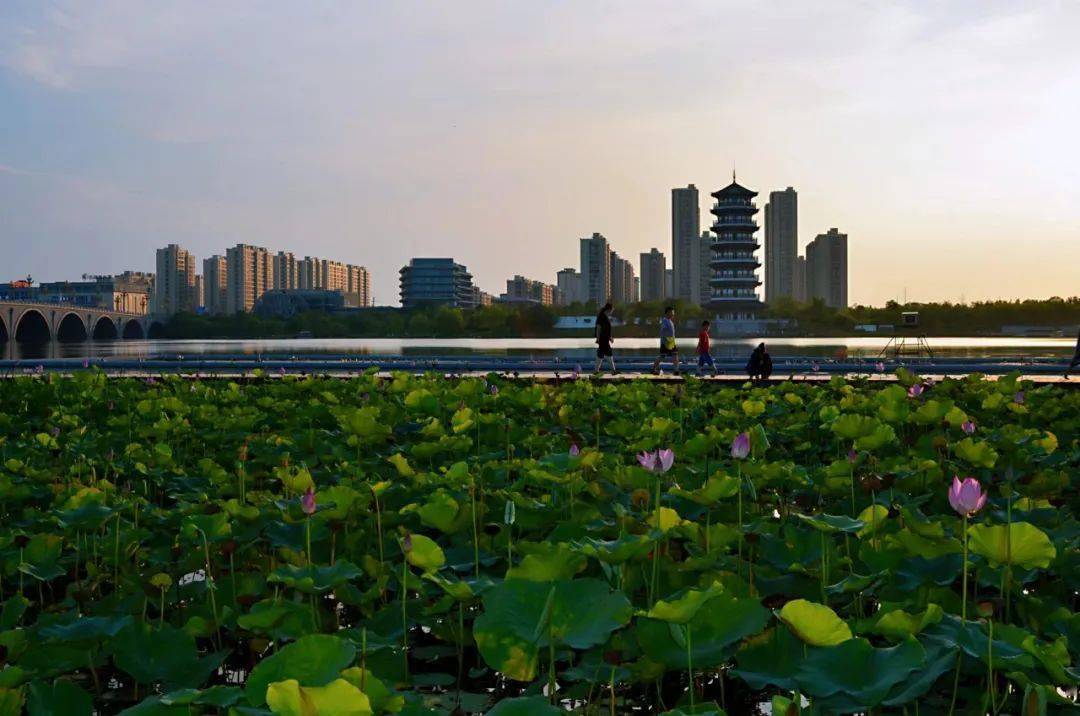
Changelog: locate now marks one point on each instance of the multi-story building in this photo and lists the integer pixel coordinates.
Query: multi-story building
(175, 281)
(622, 280)
(427, 281)
(799, 280)
(524, 290)
(781, 243)
(358, 283)
(249, 273)
(653, 276)
(200, 300)
(669, 282)
(286, 271)
(734, 264)
(214, 273)
(685, 249)
(700, 270)
(826, 269)
(595, 270)
(568, 287)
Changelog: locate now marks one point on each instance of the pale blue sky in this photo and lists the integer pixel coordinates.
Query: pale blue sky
(942, 137)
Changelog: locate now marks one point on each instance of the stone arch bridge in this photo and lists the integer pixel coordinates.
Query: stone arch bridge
(30, 322)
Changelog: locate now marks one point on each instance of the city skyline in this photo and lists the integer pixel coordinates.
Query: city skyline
(131, 126)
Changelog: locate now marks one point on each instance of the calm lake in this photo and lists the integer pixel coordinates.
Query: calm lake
(568, 348)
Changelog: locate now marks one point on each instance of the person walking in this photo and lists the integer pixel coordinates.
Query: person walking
(704, 357)
(667, 341)
(602, 331)
(1075, 359)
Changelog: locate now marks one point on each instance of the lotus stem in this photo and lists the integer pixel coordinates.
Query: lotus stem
(404, 613)
(690, 665)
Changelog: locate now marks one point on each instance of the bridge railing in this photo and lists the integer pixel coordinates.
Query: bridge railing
(72, 308)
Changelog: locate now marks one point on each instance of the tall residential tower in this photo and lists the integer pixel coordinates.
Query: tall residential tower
(781, 243)
(685, 243)
(826, 269)
(175, 281)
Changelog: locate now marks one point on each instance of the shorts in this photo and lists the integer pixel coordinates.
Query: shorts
(668, 347)
(704, 359)
(603, 349)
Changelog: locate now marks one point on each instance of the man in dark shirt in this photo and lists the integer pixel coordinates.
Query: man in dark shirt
(1075, 359)
(603, 338)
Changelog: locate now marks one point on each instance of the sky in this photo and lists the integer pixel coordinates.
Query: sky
(941, 137)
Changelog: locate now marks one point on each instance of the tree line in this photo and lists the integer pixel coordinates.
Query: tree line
(637, 319)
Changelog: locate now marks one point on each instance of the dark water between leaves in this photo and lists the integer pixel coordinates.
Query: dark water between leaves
(566, 348)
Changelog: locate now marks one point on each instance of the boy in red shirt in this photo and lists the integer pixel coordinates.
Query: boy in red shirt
(704, 358)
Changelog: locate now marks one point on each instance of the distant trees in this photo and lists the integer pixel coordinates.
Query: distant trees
(638, 319)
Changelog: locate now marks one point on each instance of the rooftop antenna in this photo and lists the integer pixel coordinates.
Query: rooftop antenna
(732, 173)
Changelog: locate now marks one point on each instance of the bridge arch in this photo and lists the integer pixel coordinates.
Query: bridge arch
(133, 329)
(4, 337)
(155, 330)
(32, 328)
(71, 329)
(104, 329)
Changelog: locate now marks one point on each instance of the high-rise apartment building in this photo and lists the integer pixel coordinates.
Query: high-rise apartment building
(200, 299)
(214, 285)
(286, 271)
(431, 281)
(622, 280)
(358, 282)
(734, 264)
(669, 283)
(653, 274)
(568, 287)
(175, 281)
(799, 280)
(595, 270)
(685, 243)
(781, 243)
(249, 273)
(827, 270)
(700, 270)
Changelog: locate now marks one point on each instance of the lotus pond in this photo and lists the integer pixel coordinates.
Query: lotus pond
(424, 545)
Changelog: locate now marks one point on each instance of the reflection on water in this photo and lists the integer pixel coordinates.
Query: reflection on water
(571, 348)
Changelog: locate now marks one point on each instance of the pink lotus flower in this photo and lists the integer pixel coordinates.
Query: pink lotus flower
(815, 367)
(740, 446)
(574, 450)
(1019, 398)
(495, 390)
(86, 364)
(307, 502)
(966, 497)
(658, 462)
(916, 390)
(968, 427)
(852, 456)
(880, 367)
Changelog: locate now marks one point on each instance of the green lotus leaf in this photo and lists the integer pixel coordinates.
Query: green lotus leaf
(313, 660)
(462, 420)
(60, 698)
(814, 623)
(1020, 543)
(975, 452)
(424, 553)
(627, 547)
(153, 706)
(873, 518)
(338, 698)
(852, 426)
(315, 578)
(832, 523)
(932, 412)
(724, 622)
(278, 618)
(443, 512)
(898, 624)
(709, 708)
(85, 629)
(856, 670)
(520, 617)
(716, 488)
(547, 563)
(166, 655)
(881, 436)
(770, 659)
(402, 465)
(524, 706)
(683, 608)
(220, 697)
(382, 698)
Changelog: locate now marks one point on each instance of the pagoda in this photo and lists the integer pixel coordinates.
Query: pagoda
(733, 269)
